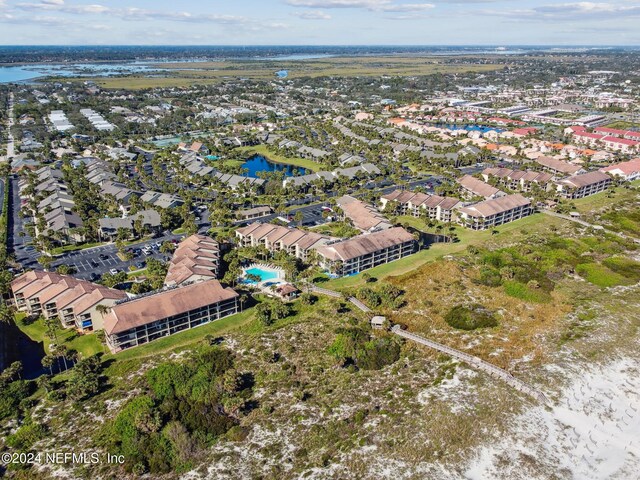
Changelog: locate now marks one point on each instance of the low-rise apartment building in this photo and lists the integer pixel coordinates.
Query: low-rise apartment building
(366, 251)
(363, 216)
(196, 259)
(523, 181)
(498, 211)
(274, 238)
(416, 204)
(76, 303)
(579, 186)
(628, 171)
(159, 314)
(558, 167)
(477, 188)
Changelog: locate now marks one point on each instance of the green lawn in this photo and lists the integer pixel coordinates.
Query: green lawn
(274, 157)
(510, 231)
(86, 345)
(186, 338)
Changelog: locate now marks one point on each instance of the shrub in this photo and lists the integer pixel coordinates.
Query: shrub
(470, 317)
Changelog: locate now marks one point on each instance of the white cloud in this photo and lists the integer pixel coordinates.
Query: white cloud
(372, 5)
(569, 11)
(312, 15)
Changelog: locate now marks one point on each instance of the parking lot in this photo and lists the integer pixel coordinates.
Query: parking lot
(92, 263)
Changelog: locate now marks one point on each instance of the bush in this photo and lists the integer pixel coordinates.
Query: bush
(490, 277)
(470, 317)
(28, 434)
(11, 396)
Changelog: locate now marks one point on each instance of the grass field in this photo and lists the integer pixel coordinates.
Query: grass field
(183, 74)
(510, 232)
(86, 345)
(275, 158)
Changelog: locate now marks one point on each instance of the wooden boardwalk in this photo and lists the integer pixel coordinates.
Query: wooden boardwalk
(475, 362)
(332, 293)
(471, 360)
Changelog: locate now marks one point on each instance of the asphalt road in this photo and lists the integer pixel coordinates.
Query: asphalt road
(100, 260)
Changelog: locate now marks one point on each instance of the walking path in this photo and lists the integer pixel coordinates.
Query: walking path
(332, 293)
(476, 362)
(471, 360)
(587, 224)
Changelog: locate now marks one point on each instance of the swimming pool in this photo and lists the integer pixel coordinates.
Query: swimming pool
(263, 273)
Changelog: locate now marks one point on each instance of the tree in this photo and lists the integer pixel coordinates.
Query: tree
(45, 261)
(47, 362)
(263, 314)
(84, 381)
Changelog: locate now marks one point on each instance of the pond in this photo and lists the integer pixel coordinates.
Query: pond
(258, 163)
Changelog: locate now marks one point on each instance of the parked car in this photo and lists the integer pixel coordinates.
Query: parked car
(113, 271)
(102, 256)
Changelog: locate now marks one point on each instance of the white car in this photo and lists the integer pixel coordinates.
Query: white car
(113, 271)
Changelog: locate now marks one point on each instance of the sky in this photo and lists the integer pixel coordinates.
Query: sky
(319, 22)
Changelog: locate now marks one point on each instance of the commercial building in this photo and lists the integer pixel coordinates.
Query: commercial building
(366, 251)
(149, 317)
(491, 213)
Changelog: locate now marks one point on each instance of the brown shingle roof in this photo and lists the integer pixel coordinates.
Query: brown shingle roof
(477, 187)
(145, 310)
(495, 206)
(364, 244)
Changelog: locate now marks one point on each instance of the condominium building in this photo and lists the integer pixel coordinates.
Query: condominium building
(76, 303)
(274, 238)
(196, 259)
(366, 251)
(417, 204)
(474, 187)
(580, 186)
(523, 181)
(491, 213)
(159, 314)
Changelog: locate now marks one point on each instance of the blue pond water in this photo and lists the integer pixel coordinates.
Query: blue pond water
(258, 163)
(262, 273)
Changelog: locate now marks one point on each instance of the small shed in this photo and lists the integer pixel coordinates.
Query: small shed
(378, 322)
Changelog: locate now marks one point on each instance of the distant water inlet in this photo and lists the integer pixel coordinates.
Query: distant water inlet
(258, 163)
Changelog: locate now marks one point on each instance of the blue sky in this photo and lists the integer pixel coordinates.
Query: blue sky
(319, 22)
